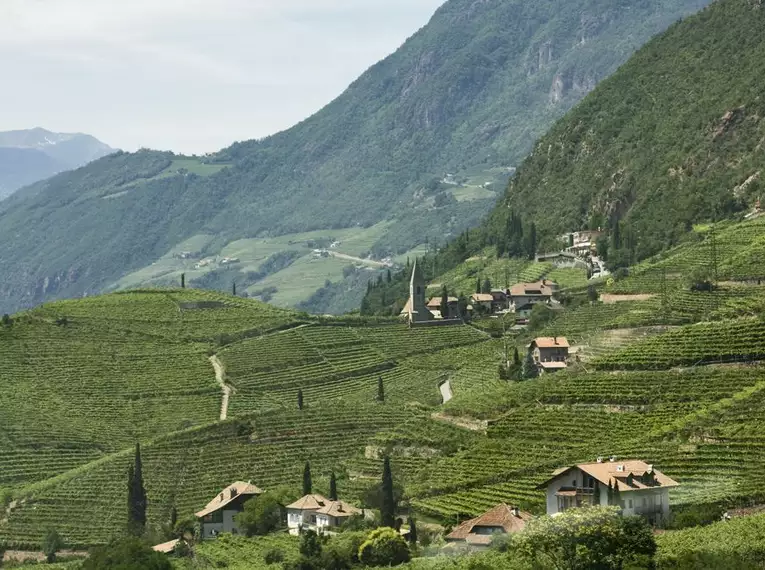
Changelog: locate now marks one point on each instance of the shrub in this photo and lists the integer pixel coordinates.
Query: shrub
(384, 547)
(127, 554)
(273, 556)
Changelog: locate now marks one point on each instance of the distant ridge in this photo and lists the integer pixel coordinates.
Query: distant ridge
(27, 156)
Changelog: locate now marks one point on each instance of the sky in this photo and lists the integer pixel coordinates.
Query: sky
(191, 76)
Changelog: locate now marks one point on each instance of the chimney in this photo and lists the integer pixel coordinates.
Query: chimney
(600, 460)
(612, 458)
(516, 512)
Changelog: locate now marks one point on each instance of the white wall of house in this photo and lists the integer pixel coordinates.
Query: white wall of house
(301, 518)
(638, 502)
(225, 523)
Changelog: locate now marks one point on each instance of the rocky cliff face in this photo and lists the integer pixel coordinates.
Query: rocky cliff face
(469, 94)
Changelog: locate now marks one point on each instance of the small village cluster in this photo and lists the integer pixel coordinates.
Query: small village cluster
(633, 485)
(518, 300)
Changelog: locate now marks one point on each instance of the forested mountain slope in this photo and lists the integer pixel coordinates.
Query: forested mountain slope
(674, 137)
(35, 154)
(466, 96)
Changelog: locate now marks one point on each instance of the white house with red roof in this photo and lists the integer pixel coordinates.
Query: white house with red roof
(634, 485)
(218, 515)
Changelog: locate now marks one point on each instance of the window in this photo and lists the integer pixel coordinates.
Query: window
(630, 503)
(573, 483)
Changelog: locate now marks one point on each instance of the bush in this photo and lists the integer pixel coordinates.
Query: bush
(127, 554)
(273, 556)
(593, 539)
(384, 547)
(696, 515)
(261, 515)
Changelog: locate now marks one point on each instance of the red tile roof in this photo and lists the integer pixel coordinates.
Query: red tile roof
(550, 342)
(227, 495)
(502, 516)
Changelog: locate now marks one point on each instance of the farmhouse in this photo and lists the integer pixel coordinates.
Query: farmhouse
(334, 514)
(318, 513)
(550, 353)
(218, 515)
(499, 300)
(634, 485)
(482, 300)
(531, 293)
(479, 531)
(434, 306)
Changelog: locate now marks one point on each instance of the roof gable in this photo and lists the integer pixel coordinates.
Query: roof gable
(228, 495)
(500, 517)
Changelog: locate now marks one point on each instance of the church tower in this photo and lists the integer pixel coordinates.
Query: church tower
(418, 307)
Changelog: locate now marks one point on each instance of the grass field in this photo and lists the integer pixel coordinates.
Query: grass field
(293, 284)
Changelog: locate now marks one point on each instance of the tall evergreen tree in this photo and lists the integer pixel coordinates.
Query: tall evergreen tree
(532, 242)
(136, 495)
(478, 285)
(412, 536)
(486, 287)
(389, 277)
(307, 482)
(233, 288)
(332, 487)
(300, 398)
(183, 280)
(380, 389)
(516, 357)
(388, 507)
(444, 303)
(529, 369)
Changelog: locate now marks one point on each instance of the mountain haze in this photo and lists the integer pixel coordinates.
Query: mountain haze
(27, 156)
(466, 96)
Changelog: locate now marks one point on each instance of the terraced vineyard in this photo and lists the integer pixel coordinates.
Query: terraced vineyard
(186, 469)
(737, 248)
(740, 340)
(691, 423)
(328, 362)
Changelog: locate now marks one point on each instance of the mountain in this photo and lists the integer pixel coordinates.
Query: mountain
(675, 137)
(30, 155)
(411, 153)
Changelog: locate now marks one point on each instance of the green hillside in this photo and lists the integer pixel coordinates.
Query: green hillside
(672, 139)
(423, 141)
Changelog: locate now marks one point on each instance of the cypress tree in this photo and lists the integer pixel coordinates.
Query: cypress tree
(183, 280)
(380, 389)
(412, 537)
(136, 496)
(300, 398)
(444, 303)
(478, 285)
(389, 278)
(486, 288)
(530, 369)
(233, 288)
(617, 495)
(516, 357)
(388, 507)
(610, 494)
(332, 487)
(307, 483)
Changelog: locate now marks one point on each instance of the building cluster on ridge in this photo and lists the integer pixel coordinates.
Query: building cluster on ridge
(518, 300)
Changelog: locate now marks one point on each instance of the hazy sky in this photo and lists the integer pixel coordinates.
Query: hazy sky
(188, 75)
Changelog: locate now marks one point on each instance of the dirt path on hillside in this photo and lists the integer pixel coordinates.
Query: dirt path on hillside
(220, 377)
(446, 391)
